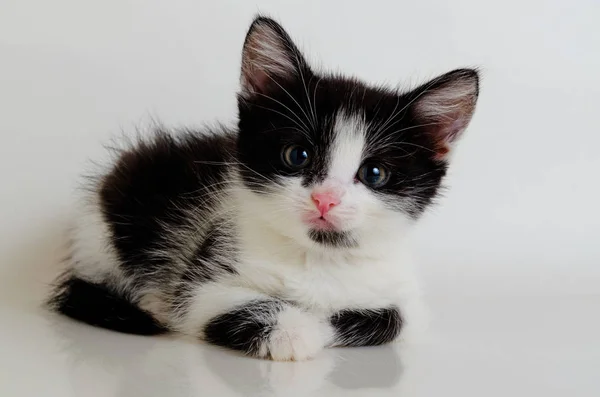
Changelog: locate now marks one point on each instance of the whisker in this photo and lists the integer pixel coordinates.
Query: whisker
(291, 96)
(314, 121)
(287, 108)
(287, 117)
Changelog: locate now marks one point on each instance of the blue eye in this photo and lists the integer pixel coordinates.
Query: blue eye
(373, 175)
(295, 157)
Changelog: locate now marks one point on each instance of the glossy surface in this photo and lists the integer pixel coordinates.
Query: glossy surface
(476, 347)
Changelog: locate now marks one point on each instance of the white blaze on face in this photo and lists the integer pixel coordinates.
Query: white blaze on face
(347, 148)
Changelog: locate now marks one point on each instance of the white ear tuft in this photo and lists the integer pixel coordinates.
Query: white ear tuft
(268, 55)
(445, 106)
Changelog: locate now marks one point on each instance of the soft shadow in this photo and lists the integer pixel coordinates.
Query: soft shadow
(334, 369)
(255, 377)
(136, 365)
(32, 266)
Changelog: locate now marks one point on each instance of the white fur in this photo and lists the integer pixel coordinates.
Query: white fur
(298, 335)
(450, 108)
(93, 257)
(323, 280)
(348, 147)
(269, 50)
(447, 100)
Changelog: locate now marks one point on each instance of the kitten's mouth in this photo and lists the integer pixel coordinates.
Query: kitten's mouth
(322, 224)
(319, 223)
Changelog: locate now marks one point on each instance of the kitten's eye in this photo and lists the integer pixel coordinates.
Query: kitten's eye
(295, 157)
(373, 175)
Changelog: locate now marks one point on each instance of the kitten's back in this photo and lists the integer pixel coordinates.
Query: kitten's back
(160, 195)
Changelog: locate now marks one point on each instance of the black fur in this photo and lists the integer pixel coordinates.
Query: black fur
(333, 239)
(151, 188)
(100, 306)
(216, 240)
(151, 191)
(366, 327)
(245, 328)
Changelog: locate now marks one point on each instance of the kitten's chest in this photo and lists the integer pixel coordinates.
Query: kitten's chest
(325, 284)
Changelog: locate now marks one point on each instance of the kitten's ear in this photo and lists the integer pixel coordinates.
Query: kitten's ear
(269, 56)
(445, 105)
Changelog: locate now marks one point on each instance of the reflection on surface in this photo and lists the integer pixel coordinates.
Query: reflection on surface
(52, 356)
(254, 377)
(379, 368)
(127, 365)
(367, 368)
(132, 365)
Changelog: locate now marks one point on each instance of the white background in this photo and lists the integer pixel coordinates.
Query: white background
(521, 218)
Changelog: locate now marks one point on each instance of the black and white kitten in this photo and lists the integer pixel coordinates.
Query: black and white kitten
(282, 237)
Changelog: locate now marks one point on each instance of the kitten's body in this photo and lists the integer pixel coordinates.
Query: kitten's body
(210, 235)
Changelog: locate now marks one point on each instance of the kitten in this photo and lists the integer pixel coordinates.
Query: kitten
(279, 238)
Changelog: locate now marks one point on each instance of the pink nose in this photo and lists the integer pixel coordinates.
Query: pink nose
(325, 201)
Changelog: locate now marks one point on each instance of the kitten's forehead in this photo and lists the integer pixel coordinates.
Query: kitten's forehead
(347, 145)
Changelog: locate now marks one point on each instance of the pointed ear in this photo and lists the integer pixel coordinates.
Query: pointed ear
(269, 56)
(445, 105)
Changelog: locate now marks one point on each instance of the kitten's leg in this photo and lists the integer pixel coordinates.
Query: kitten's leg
(254, 323)
(368, 327)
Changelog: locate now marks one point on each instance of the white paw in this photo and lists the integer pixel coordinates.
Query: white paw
(297, 336)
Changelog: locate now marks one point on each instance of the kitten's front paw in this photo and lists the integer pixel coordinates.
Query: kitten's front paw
(297, 336)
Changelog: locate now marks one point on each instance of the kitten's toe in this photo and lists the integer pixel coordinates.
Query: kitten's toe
(297, 336)
(293, 345)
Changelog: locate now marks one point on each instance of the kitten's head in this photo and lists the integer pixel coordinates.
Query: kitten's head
(331, 161)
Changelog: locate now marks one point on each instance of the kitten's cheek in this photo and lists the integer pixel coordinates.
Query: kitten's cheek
(308, 216)
(351, 216)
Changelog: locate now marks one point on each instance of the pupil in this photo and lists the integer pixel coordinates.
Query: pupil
(373, 174)
(299, 156)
